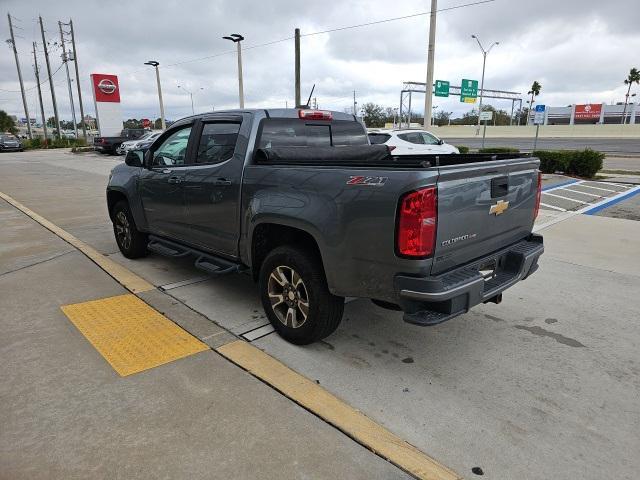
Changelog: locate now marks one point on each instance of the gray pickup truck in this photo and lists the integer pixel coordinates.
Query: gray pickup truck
(301, 201)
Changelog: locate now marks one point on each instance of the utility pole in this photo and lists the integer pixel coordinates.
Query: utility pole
(44, 119)
(484, 62)
(65, 59)
(24, 98)
(75, 61)
(428, 99)
(53, 92)
(297, 67)
(155, 64)
(354, 103)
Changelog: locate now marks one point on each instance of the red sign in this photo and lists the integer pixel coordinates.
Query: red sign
(105, 87)
(589, 111)
(146, 123)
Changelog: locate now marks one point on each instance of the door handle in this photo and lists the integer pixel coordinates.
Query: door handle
(175, 179)
(221, 182)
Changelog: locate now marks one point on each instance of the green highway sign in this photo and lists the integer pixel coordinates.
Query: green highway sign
(468, 91)
(442, 88)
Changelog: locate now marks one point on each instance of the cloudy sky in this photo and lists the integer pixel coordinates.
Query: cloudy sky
(579, 50)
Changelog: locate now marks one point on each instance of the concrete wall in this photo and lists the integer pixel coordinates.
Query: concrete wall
(549, 131)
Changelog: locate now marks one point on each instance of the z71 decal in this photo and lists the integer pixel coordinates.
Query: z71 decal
(370, 181)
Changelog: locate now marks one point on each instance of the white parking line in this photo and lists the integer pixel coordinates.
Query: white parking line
(583, 193)
(552, 206)
(599, 188)
(258, 332)
(183, 283)
(615, 184)
(564, 198)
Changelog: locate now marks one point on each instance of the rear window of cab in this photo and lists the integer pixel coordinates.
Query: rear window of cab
(293, 132)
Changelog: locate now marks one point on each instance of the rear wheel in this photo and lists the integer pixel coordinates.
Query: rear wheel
(131, 242)
(295, 296)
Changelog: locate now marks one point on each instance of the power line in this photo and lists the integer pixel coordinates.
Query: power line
(396, 18)
(337, 29)
(35, 86)
(250, 47)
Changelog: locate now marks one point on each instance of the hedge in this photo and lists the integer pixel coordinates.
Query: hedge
(583, 163)
(499, 150)
(463, 149)
(53, 143)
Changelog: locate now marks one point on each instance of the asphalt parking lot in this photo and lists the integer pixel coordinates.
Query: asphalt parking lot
(544, 385)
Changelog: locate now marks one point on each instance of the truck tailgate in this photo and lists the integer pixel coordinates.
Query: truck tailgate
(483, 207)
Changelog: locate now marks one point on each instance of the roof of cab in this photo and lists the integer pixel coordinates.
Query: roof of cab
(270, 112)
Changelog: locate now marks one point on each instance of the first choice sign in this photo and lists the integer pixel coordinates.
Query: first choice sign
(106, 96)
(589, 111)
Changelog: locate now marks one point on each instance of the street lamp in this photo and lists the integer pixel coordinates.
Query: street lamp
(155, 64)
(191, 95)
(484, 61)
(236, 38)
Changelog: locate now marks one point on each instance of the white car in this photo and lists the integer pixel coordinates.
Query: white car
(411, 142)
(133, 144)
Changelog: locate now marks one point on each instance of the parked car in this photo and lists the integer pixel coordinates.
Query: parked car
(9, 142)
(303, 203)
(147, 138)
(110, 144)
(411, 142)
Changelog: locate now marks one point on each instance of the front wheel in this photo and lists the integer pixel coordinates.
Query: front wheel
(131, 242)
(295, 296)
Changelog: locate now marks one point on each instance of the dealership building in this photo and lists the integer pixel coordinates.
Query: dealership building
(589, 113)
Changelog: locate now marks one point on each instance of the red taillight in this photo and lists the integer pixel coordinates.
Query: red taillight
(315, 114)
(538, 195)
(391, 148)
(417, 222)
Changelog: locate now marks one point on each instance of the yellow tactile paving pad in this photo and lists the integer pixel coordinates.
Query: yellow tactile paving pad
(131, 335)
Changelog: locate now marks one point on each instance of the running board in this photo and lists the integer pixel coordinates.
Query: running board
(213, 265)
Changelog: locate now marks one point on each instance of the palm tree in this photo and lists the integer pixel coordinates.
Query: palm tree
(534, 92)
(634, 77)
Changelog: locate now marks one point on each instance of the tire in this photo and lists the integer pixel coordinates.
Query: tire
(286, 267)
(131, 242)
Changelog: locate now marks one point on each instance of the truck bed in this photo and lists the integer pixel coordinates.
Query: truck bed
(367, 156)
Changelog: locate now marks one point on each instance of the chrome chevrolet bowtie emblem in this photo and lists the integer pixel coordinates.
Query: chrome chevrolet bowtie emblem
(499, 208)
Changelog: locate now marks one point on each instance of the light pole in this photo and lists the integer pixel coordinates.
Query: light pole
(236, 38)
(191, 95)
(428, 99)
(484, 62)
(155, 64)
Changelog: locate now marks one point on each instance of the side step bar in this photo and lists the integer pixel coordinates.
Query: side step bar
(213, 265)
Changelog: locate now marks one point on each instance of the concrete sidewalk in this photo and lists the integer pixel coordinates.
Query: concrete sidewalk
(65, 413)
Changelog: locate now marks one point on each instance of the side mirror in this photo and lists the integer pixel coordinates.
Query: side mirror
(440, 142)
(134, 158)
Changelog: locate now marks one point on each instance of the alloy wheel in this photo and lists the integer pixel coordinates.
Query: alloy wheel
(289, 297)
(123, 230)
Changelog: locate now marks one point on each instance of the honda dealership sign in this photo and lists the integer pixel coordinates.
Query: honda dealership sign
(106, 95)
(590, 111)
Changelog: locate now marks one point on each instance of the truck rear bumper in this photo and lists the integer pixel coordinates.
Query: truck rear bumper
(432, 300)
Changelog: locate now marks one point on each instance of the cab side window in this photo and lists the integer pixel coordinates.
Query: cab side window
(413, 137)
(173, 150)
(218, 142)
